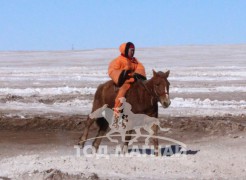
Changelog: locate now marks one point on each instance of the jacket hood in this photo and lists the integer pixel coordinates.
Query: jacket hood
(125, 47)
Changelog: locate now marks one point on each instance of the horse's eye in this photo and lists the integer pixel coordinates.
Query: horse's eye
(157, 84)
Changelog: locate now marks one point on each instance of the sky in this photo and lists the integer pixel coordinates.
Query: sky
(90, 24)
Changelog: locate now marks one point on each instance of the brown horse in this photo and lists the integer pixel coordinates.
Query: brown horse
(143, 96)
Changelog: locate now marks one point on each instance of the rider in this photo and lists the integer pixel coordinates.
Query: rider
(124, 70)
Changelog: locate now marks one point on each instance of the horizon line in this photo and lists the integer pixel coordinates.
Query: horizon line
(111, 48)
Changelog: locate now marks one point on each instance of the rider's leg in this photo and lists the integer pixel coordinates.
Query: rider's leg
(121, 93)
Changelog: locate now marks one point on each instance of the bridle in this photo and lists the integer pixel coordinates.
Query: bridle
(151, 93)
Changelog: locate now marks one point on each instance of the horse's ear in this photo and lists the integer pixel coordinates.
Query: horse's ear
(154, 73)
(167, 73)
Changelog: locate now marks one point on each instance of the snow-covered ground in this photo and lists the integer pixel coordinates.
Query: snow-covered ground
(205, 80)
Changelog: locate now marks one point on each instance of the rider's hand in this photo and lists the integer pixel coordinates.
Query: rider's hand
(131, 74)
(131, 80)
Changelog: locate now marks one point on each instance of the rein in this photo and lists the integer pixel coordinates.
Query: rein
(143, 83)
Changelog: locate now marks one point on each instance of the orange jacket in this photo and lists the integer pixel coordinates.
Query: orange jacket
(123, 63)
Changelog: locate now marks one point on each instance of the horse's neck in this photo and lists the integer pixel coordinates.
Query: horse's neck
(149, 84)
(147, 89)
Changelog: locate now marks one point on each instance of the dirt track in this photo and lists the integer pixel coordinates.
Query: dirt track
(212, 125)
(65, 130)
(23, 138)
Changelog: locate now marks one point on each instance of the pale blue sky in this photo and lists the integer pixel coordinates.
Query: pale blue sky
(88, 24)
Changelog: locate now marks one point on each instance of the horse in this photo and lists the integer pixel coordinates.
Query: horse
(134, 122)
(143, 96)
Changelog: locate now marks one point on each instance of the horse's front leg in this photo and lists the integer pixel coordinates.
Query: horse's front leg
(84, 136)
(155, 140)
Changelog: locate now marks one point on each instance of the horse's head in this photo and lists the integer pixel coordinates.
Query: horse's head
(161, 87)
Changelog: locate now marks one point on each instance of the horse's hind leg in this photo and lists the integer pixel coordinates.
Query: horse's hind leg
(103, 126)
(84, 136)
(98, 139)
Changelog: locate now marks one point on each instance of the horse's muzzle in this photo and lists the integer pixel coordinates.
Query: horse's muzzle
(165, 102)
